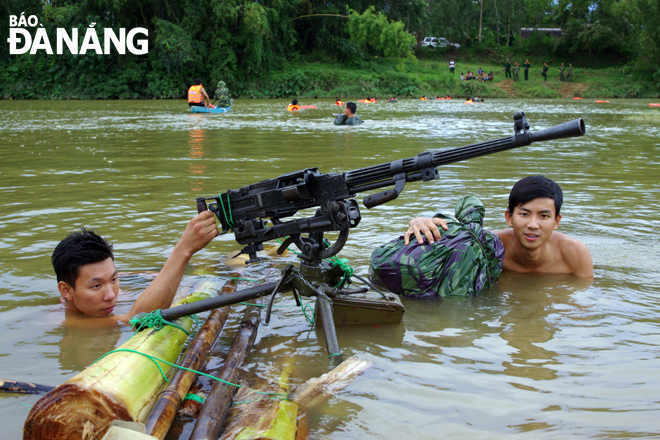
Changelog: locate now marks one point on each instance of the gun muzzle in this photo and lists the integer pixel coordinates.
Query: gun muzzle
(569, 129)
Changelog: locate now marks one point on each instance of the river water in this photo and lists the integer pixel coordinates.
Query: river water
(536, 357)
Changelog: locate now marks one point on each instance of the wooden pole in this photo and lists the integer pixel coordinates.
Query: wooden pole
(170, 400)
(15, 386)
(212, 416)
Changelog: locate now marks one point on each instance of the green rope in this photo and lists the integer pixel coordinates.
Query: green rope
(242, 402)
(246, 279)
(156, 360)
(311, 320)
(195, 398)
(156, 321)
(230, 220)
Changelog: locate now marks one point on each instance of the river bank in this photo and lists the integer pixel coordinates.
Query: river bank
(431, 77)
(377, 77)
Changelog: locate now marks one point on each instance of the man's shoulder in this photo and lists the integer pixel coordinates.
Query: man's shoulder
(575, 254)
(354, 120)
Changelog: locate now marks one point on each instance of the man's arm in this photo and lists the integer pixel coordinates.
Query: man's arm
(206, 97)
(426, 226)
(160, 293)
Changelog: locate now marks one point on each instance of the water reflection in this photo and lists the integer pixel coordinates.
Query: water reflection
(196, 166)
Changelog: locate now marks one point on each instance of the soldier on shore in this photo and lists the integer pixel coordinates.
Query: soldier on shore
(516, 71)
(569, 74)
(526, 66)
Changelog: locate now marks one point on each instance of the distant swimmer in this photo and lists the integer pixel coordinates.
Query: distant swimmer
(349, 117)
(293, 107)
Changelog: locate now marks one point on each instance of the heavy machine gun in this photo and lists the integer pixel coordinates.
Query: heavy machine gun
(248, 211)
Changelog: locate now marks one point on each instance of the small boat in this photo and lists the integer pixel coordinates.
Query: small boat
(196, 109)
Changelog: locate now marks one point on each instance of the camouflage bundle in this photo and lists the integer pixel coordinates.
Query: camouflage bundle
(466, 260)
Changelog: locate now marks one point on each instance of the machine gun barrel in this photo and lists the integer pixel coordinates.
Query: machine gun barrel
(366, 179)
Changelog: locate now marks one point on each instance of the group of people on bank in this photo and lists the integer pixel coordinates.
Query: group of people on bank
(481, 76)
(513, 71)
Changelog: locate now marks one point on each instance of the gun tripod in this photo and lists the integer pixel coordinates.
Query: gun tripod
(314, 277)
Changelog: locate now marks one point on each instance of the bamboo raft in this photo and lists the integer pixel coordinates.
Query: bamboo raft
(125, 386)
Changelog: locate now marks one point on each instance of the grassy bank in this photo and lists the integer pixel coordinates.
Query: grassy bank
(313, 77)
(430, 76)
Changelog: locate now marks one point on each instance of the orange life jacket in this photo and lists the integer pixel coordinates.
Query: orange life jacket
(195, 95)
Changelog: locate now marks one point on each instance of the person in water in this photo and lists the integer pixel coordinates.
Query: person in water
(349, 117)
(197, 96)
(222, 95)
(87, 277)
(532, 245)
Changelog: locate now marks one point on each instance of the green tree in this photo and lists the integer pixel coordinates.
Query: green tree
(378, 33)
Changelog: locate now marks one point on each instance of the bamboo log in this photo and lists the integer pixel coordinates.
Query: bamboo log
(262, 418)
(170, 401)
(15, 386)
(120, 386)
(217, 403)
(256, 416)
(318, 389)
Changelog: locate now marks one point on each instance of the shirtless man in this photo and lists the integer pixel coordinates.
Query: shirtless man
(87, 278)
(532, 245)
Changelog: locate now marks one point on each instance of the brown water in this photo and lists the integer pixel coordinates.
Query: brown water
(538, 357)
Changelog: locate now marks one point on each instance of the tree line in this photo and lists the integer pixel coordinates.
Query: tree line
(239, 41)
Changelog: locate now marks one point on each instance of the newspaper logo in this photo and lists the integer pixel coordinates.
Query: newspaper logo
(21, 40)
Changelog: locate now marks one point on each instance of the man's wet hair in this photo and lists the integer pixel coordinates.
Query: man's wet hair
(352, 107)
(77, 250)
(198, 81)
(533, 187)
(294, 102)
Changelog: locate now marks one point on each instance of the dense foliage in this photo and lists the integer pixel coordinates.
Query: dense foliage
(249, 44)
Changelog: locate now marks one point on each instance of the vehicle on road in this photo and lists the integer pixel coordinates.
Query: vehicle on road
(434, 42)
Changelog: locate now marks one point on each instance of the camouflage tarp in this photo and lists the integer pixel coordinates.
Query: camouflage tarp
(466, 260)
